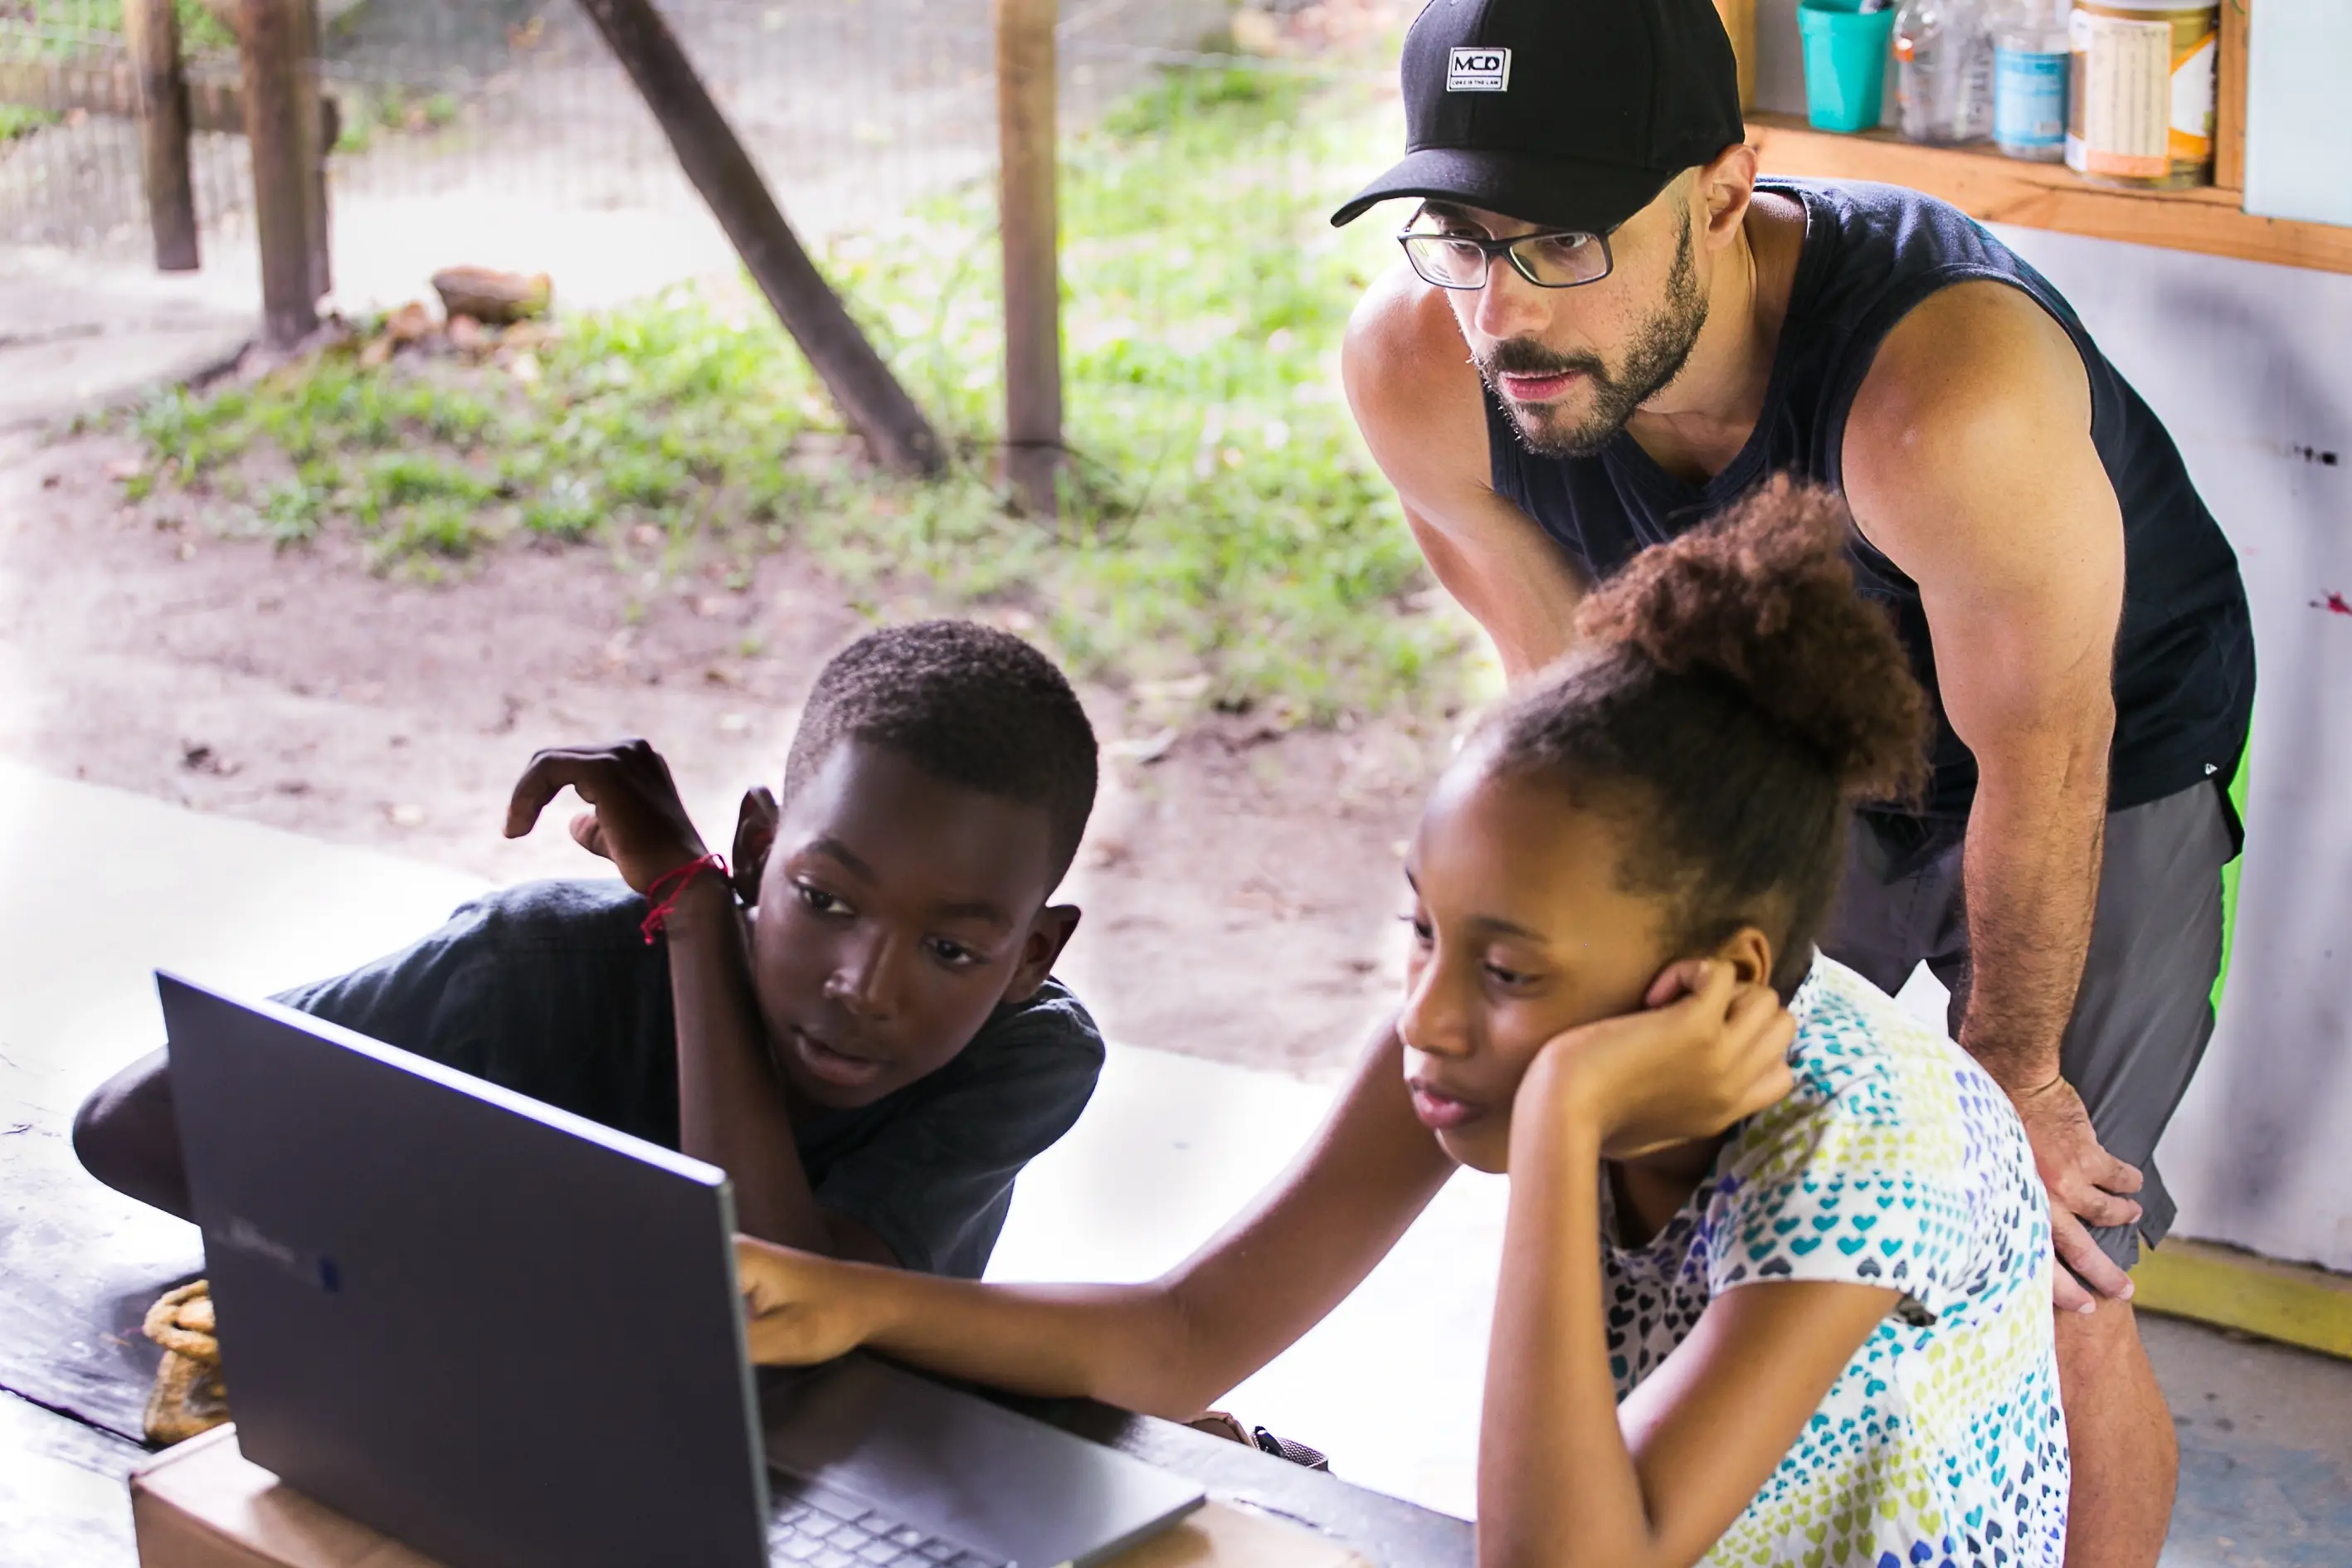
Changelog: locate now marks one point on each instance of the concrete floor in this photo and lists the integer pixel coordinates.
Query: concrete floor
(106, 886)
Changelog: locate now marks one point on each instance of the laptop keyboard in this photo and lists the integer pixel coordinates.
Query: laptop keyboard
(841, 1536)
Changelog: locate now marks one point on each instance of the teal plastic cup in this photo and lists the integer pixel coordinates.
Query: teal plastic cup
(1845, 63)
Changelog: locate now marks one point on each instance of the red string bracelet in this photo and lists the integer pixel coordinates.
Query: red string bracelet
(664, 892)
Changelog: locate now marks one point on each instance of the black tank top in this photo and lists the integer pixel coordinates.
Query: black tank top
(2184, 676)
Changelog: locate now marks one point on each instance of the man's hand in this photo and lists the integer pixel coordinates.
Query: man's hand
(635, 819)
(803, 1309)
(1709, 1051)
(2087, 1186)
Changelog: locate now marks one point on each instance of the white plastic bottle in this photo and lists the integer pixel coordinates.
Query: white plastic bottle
(1943, 75)
(2029, 70)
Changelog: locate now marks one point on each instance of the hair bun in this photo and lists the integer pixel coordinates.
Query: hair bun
(1764, 597)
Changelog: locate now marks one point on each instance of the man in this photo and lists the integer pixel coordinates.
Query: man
(1606, 328)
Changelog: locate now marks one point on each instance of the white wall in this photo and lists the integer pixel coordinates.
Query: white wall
(2251, 366)
(2298, 134)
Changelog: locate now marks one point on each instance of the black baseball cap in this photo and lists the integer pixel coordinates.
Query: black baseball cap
(1564, 113)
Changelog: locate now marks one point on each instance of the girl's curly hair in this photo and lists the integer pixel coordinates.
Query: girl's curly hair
(1732, 697)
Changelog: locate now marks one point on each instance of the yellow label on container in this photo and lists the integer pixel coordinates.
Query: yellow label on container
(2191, 125)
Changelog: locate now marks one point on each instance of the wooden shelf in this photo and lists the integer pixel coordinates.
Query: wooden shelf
(1994, 189)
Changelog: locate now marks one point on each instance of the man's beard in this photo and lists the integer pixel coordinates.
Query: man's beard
(1659, 351)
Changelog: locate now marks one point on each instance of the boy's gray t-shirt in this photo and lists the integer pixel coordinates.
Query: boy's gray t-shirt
(550, 989)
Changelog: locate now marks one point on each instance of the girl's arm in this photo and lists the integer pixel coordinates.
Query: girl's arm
(1566, 1475)
(1166, 1348)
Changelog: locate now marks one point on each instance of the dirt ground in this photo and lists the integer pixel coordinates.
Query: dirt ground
(1239, 883)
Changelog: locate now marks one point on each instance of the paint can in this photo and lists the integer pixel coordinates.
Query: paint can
(2142, 77)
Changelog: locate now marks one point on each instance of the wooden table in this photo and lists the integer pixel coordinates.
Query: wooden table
(204, 1505)
(1386, 1531)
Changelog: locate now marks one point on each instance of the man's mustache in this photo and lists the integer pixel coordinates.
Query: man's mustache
(1524, 356)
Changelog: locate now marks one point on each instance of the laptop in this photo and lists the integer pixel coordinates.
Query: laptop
(512, 1338)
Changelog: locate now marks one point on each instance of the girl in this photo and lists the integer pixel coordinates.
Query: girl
(1776, 1281)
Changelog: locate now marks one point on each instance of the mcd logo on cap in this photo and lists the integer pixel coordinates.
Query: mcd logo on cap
(1477, 70)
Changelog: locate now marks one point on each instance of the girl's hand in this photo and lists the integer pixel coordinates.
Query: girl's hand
(802, 1308)
(1709, 1051)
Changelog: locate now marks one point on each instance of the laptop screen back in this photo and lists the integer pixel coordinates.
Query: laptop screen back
(502, 1334)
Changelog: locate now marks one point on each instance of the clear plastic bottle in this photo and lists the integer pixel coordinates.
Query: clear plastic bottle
(1943, 76)
(2029, 70)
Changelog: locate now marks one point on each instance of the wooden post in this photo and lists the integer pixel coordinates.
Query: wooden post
(313, 117)
(271, 41)
(1029, 222)
(151, 29)
(867, 394)
(2230, 97)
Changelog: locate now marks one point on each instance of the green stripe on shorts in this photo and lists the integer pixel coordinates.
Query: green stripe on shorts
(2230, 871)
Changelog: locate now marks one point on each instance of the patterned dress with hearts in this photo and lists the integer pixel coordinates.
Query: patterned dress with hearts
(1897, 1161)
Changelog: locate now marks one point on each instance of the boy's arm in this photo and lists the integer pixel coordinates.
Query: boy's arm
(1168, 1347)
(733, 1109)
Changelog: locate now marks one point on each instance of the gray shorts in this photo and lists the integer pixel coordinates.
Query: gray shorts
(2144, 1010)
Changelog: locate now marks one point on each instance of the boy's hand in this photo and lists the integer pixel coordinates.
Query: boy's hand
(1709, 1051)
(803, 1308)
(637, 820)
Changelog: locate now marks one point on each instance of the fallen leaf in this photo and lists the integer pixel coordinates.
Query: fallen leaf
(412, 323)
(1189, 688)
(1144, 749)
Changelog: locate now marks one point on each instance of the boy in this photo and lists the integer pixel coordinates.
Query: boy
(872, 1050)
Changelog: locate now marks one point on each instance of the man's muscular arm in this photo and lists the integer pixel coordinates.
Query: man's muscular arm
(1969, 461)
(1418, 402)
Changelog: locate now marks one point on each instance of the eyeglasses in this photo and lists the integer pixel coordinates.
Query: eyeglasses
(1548, 259)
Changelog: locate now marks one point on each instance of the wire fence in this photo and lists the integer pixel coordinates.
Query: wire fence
(1203, 290)
(855, 110)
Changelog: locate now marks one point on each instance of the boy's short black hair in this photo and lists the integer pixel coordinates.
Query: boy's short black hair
(966, 704)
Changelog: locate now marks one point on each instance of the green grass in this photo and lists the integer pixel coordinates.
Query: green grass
(1220, 516)
(369, 112)
(17, 120)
